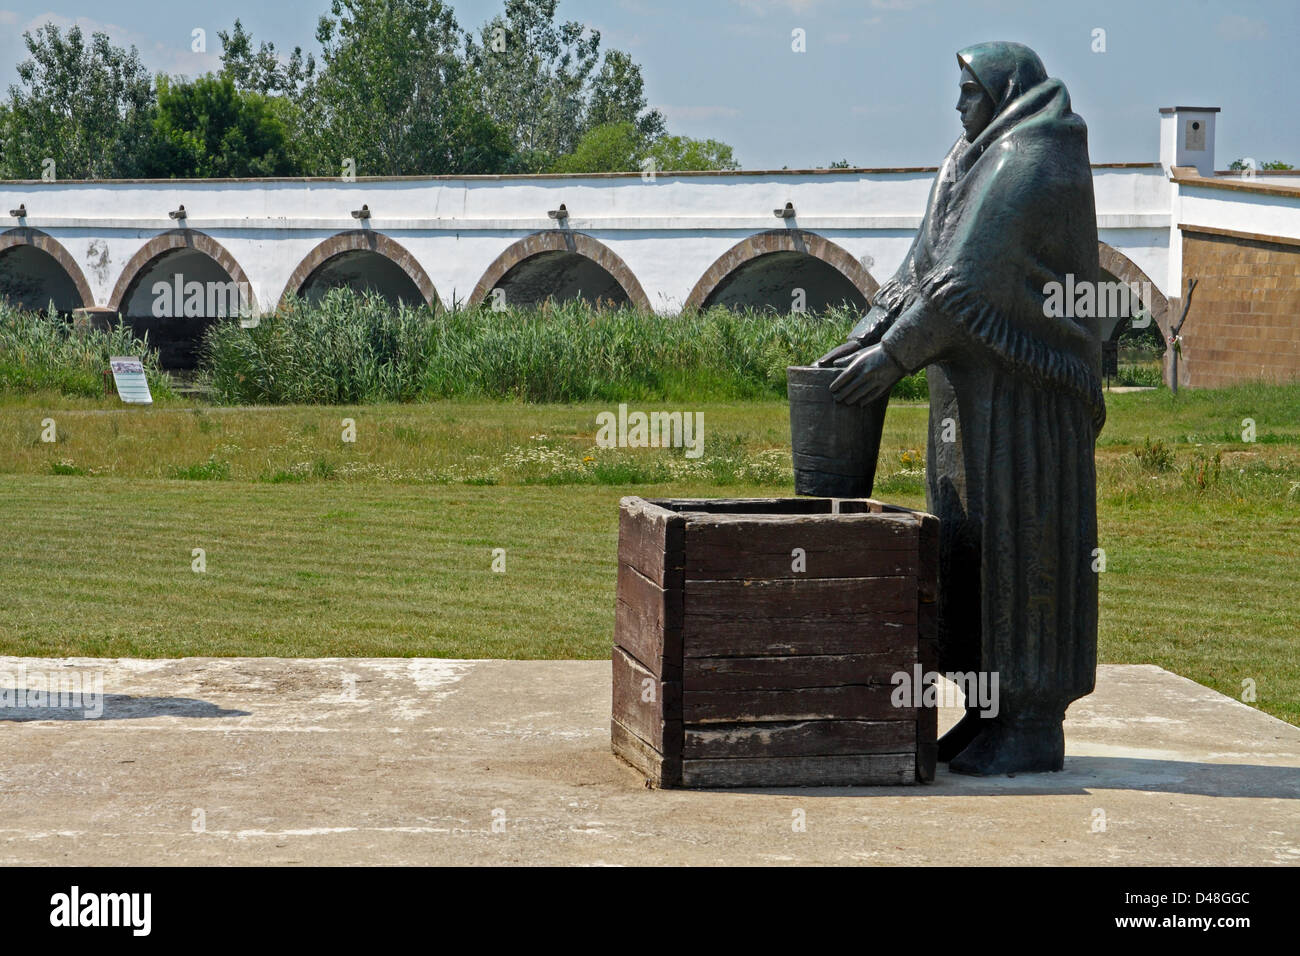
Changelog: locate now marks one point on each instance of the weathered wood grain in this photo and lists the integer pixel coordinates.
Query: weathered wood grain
(839, 771)
(835, 601)
(745, 506)
(927, 745)
(927, 577)
(707, 636)
(650, 540)
(728, 547)
(649, 707)
(812, 670)
(648, 623)
(806, 738)
(848, 702)
(659, 770)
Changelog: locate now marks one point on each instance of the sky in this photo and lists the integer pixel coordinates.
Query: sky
(876, 83)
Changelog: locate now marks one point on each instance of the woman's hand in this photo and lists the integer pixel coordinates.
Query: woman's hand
(840, 355)
(869, 375)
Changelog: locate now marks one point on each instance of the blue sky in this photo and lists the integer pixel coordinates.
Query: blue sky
(877, 83)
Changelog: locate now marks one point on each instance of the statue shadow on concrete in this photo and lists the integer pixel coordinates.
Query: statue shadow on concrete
(118, 707)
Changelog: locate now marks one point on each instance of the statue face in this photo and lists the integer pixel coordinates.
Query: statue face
(974, 105)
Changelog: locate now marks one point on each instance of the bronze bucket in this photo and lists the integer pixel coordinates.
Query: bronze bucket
(835, 445)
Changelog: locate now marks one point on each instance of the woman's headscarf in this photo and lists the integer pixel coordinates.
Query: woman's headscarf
(1009, 212)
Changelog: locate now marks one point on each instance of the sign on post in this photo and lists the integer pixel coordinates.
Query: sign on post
(128, 376)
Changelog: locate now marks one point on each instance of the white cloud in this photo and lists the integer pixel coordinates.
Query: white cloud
(174, 58)
(8, 16)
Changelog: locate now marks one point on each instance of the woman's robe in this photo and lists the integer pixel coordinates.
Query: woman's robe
(1018, 390)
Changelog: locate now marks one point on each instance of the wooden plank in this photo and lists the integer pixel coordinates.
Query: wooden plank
(798, 738)
(650, 540)
(927, 577)
(707, 636)
(658, 651)
(827, 601)
(727, 547)
(648, 623)
(762, 618)
(927, 743)
(745, 506)
(784, 673)
(649, 707)
(659, 771)
(840, 771)
(848, 702)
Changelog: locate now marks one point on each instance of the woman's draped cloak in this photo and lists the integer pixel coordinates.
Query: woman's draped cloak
(1019, 390)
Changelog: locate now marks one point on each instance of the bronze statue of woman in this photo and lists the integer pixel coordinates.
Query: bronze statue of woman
(1015, 403)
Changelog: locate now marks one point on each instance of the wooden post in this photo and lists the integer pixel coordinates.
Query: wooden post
(1187, 304)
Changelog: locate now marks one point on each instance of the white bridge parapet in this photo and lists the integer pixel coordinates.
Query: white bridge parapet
(663, 235)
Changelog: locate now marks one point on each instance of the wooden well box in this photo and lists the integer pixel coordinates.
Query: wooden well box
(755, 641)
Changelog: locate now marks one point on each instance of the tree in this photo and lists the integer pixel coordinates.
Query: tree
(86, 107)
(262, 71)
(531, 76)
(1241, 164)
(613, 147)
(620, 147)
(618, 96)
(393, 94)
(207, 128)
(682, 152)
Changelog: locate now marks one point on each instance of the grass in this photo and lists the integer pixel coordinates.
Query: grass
(319, 547)
(348, 349)
(43, 351)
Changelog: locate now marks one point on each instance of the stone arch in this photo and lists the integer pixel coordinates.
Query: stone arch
(361, 240)
(782, 240)
(170, 241)
(562, 240)
(1126, 270)
(26, 236)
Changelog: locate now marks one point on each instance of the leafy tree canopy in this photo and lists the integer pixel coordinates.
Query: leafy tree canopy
(209, 129)
(86, 106)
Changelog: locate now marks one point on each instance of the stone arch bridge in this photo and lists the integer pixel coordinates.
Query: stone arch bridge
(768, 239)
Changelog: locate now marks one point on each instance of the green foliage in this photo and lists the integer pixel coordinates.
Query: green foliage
(262, 71)
(207, 128)
(41, 351)
(393, 94)
(351, 349)
(682, 152)
(1240, 164)
(531, 75)
(87, 106)
(210, 470)
(1155, 456)
(620, 147)
(398, 89)
(1204, 470)
(618, 96)
(611, 148)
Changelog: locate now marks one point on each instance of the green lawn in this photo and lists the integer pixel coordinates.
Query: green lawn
(316, 547)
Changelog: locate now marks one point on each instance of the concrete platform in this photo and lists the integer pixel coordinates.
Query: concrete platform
(390, 761)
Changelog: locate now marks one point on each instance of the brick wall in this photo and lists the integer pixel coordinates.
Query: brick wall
(1244, 324)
